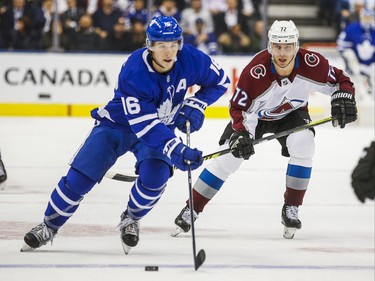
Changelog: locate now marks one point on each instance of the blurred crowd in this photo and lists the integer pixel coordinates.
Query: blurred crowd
(214, 26)
(340, 13)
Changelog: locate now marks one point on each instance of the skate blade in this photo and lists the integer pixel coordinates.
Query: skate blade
(3, 185)
(177, 231)
(289, 232)
(126, 248)
(26, 248)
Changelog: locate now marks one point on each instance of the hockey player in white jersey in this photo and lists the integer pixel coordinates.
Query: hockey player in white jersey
(272, 96)
(356, 44)
(149, 103)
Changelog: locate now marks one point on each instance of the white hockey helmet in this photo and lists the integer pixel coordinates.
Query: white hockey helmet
(283, 32)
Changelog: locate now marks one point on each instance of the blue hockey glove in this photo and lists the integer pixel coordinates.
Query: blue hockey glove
(192, 110)
(241, 144)
(181, 154)
(343, 108)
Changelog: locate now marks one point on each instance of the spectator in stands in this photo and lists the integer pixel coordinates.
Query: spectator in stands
(235, 41)
(84, 37)
(116, 40)
(105, 18)
(123, 5)
(180, 4)
(21, 26)
(80, 4)
(256, 12)
(135, 37)
(247, 7)
(127, 39)
(137, 12)
(62, 5)
(215, 6)
(49, 15)
(202, 40)
(47, 8)
(91, 6)
(256, 37)
(168, 8)
(183, 4)
(3, 6)
(190, 15)
(224, 21)
(69, 20)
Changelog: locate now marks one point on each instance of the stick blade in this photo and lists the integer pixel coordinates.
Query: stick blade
(120, 177)
(199, 259)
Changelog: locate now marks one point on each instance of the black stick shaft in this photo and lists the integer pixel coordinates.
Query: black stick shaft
(272, 137)
(128, 178)
(191, 201)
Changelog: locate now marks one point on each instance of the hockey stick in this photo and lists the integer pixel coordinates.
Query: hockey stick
(129, 178)
(120, 177)
(272, 137)
(201, 257)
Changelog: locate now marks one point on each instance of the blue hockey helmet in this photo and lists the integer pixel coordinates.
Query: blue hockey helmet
(163, 29)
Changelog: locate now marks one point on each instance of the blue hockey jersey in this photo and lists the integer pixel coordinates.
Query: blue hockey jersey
(147, 102)
(361, 40)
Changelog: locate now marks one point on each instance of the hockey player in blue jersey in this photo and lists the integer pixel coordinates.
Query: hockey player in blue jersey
(149, 103)
(356, 44)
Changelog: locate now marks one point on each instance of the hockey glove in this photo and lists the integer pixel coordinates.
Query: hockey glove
(181, 155)
(241, 144)
(192, 110)
(343, 108)
(363, 176)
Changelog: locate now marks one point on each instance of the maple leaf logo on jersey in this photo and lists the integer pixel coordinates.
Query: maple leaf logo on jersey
(166, 111)
(365, 50)
(281, 110)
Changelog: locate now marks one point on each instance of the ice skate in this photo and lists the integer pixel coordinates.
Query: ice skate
(129, 232)
(37, 237)
(289, 218)
(183, 221)
(3, 175)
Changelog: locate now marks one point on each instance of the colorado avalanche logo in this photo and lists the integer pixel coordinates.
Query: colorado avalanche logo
(279, 111)
(312, 60)
(258, 71)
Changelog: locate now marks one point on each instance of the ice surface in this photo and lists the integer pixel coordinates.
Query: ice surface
(240, 229)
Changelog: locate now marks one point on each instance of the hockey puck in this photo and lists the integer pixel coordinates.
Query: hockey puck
(151, 268)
